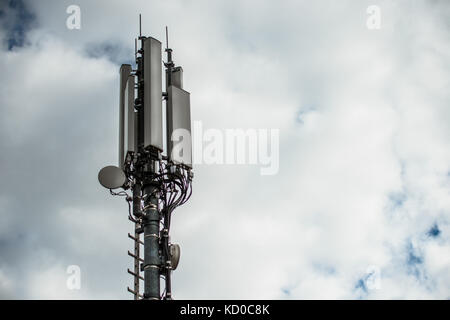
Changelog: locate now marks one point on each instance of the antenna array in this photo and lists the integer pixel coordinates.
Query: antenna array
(159, 182)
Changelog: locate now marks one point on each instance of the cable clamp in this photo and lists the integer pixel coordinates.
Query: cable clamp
(148, 266)
(150, 206)
(151, 235)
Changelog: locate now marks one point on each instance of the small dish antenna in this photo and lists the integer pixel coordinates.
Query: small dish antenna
(175, 252)
(112, 177)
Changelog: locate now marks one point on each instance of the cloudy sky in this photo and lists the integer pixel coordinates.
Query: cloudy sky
(360, 206)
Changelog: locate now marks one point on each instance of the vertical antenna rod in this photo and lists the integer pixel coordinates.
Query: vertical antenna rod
(167, 38)
(169, 64)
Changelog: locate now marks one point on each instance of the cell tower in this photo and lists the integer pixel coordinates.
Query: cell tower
(158, 182)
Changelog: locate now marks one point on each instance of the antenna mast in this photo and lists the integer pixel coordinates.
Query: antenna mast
(158, 183)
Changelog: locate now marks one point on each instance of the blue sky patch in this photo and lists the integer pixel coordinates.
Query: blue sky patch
(16, 20)
(361, 288)
(434, 232)
(414, 262)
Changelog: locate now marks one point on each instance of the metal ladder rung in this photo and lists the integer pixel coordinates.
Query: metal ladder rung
(133, 238)
(135, 257)
(135, 275)
(134, 293)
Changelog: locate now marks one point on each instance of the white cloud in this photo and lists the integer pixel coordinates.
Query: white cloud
(363, 118)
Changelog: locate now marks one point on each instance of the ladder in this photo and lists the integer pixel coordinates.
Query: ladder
(137, 260)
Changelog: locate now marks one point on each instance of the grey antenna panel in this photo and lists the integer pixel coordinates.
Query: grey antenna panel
(125, 71)
(179, 141)
(129, 143)
(152, 94)
(177, 77)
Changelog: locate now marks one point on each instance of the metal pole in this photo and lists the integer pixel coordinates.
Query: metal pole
(168, 263)
(152, 261)
(159, 183)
